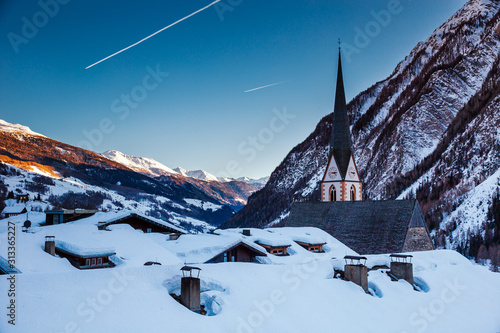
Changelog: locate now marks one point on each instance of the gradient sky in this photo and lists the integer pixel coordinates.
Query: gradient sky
(199, 116)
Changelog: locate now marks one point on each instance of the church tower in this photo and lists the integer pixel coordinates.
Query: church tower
(341, 180)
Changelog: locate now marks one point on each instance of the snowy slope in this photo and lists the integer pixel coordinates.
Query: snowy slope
(294, 295)
(198, 174)
(16, 128)
(139, 164)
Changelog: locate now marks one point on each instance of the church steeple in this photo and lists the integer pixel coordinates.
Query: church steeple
(340, 142)
(341, 180)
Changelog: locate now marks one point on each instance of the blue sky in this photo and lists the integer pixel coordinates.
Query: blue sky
(180, 97)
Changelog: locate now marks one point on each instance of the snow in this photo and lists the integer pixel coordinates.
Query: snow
(14, 209)
(203, 204)
(116, 215)
(197, 249)
(139, 164)
(198, 174)
(16, 128)
(83, 249)
(295, 294)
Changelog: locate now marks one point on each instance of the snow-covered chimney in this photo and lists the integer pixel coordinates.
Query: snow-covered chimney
(50, 245)
(401, 267)
(356, 271)
(246, 232)
(190, 288)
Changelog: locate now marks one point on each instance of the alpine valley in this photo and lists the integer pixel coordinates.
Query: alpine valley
(430, 130)
(69, 177)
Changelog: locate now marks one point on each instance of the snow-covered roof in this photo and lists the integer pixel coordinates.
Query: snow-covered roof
(85, 248)
(117, 217)
(200, 248)
(6, 268)
(15, 209)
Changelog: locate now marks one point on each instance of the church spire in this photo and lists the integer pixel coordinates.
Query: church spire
(341, 180)
(340, 142)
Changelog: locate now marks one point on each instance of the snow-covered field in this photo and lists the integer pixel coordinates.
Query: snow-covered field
(296, 293)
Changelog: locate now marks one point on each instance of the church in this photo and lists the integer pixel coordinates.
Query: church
(367, 227)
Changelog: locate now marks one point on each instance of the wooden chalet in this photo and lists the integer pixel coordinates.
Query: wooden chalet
(67, 215)
(279, 249)
(145, 223)
(83, 258)
(15, 210)
(240, 252)
(311, 246)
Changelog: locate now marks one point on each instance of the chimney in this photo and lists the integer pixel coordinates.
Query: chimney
(190, 288)
(246, 232)
(356, 271)
(401, 267)
(50, 245)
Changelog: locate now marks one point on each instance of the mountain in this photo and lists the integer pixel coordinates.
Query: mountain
(431, 129)
(258, 183)
(227, 191)
(66, 176)
(143, 165)
(198, 174)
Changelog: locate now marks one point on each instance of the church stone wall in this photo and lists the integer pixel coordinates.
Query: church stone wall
(418, 239)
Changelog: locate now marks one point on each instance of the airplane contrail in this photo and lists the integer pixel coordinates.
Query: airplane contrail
(269, 85)
(142, 40)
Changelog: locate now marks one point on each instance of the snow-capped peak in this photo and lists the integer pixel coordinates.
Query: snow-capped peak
(140, 164)
(8, 127)
(198, 174)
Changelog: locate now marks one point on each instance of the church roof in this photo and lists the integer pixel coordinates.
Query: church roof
(340, 142)
(367, 227)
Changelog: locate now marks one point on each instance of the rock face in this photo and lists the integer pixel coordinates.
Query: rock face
(431, 129)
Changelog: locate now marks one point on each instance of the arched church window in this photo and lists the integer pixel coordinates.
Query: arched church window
(333, 194)
(353, 193)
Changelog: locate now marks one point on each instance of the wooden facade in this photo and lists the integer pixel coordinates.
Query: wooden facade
(87, 261)
(280, 250)
(53, 217)
(312, 247)
(240, 252)
(143, 223)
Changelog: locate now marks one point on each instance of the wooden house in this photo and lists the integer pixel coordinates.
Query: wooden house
(85, 258)
(67, 215)
(240, 252)
(312, 246)
(14, 210)
(141, 222)
(273, 247)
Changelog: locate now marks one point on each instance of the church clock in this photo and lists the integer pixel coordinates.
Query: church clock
(333, 172)
(352, 172)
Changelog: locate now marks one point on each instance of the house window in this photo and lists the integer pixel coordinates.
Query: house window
(87, 262)
(225, 256)
(93, 261)
(333, 194)
(99, 261)
(148, 230)
(353, 193)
